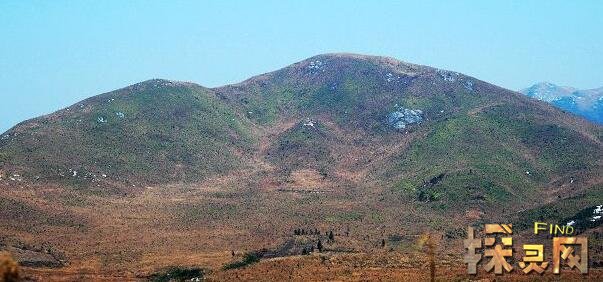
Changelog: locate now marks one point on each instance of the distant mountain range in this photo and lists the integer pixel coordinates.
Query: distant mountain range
(585, 103)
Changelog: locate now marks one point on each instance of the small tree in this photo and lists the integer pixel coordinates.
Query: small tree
(382, 243)
(331, 236)
(319, 246)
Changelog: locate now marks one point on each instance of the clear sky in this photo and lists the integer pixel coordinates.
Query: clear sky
(55, 53)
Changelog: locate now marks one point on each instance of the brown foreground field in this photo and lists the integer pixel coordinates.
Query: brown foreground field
(332, 267)
(65, 235)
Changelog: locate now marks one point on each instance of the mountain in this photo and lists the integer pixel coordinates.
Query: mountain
(367, 146)
(396, 123)
(154, 131)
(586, 103)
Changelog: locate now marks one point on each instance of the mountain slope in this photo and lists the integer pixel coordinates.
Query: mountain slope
(425, 134)
(487, 143)
(586, 103)
(156, 131)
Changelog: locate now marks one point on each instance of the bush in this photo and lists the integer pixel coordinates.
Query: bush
(9, 268)
(249, 258)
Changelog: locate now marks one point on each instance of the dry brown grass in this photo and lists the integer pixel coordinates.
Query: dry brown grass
(128, 238)
(9, 269)
(374, 267)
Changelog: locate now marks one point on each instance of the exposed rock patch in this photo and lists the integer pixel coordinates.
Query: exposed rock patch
(402, 117)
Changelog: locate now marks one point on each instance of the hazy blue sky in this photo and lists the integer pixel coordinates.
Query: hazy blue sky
(55, 53)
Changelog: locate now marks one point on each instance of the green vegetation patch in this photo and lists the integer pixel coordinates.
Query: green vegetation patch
(478, 163)
(557, 212)
(248, 259)
(146, 133)
(490, 157)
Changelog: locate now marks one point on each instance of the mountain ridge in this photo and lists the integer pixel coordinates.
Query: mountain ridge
(168, 131)
(587, 103)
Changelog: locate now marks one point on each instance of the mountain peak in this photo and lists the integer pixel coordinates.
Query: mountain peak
(159, 82)
(587, 103)
(545, 84)
(358, 57)
(550, 85)
(547, 91)
(333, 65)
(382, 61)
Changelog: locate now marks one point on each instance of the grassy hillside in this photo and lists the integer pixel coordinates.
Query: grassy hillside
(477, 145)
(305, 145)
(152, 132)
(493, 157)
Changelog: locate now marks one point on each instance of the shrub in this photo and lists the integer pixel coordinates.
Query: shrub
(249, 258)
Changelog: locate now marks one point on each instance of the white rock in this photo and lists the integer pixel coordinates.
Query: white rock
(309, 122)
(402, 117)
(315, 65)
(468, 85)
(389, 77)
